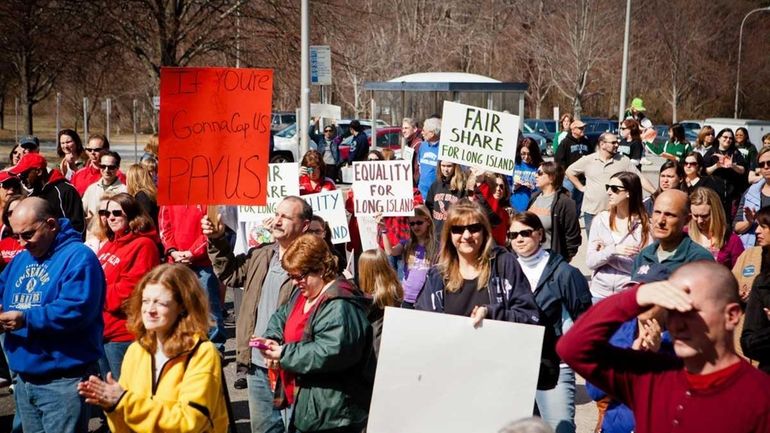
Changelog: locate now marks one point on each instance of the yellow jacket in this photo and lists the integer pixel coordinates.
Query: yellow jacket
(187, 397)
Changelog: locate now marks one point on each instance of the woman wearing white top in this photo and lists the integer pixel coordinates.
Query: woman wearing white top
(617, 235)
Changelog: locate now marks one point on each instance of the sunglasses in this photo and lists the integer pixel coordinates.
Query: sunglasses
(614, 188)
(298, 278)
(612, 142)
(539, 172)
(94, 149)
(472, 228)
(108, 167)
(690, 163)
(9, 184)
(763, 164)
(524, 233)
(106, 213)
(28, 235)
(623, 127)
(416, 223)
(328, 130)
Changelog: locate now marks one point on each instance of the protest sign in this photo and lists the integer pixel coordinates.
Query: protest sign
(214, 134)
(367, 232)
(282, 181)
(478, 137)
(472, 381)
(330, 205)
(328, 111)
(384, 187)
(408, 153)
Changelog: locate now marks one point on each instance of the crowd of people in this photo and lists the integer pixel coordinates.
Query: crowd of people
(111, 301)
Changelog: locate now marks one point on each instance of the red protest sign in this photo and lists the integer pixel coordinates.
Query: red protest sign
(214, 135)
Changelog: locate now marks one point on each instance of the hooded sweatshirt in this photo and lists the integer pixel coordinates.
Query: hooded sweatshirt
(61, 295)
(180, 230)
(64, 198)
(125, 260)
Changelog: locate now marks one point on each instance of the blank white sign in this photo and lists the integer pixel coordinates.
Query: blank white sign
(437, 373)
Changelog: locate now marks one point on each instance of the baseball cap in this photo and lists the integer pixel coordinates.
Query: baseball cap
(6, 175)
(29, 142)
(28, 162)
(576, 124)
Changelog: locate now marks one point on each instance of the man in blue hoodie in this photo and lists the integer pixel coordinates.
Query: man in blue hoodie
(52, 298)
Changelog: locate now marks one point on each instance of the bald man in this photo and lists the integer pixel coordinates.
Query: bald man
(706, 387)
(672, 247)
(52, 295)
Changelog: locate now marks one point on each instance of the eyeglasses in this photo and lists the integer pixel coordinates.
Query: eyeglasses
(763, 164)
(614, 188)
(623, 127)
(690, 163)
(539, 172)
(472, 228)
(317, 232)
(328, 130)
(523, 233)
(94, 149)
(579, 127)
(298, 278)
(9, 184)
(108, 167)
(115, 213)
(611, 142)
(28, 235)
(416, 223)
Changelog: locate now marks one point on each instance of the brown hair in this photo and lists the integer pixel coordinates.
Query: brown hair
(152, 145)
(138, 220)
(377, 278)
(555, 171)
(461, 213)
(193, 320)
(139, 179)
(388, 154)
(561, 120)
(633, 128)
(431, 246)
(314, 157)
(717, 230)
(310, 253)
(701, 140)
(633, 186)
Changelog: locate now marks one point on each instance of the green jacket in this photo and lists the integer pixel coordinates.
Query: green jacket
(687, 251)
(679, 150)
(334, 362)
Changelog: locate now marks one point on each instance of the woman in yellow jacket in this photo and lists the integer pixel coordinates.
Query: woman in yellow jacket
(171, 380)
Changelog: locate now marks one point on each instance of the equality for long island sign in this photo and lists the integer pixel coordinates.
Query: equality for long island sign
(330, 206)
(472, 382)
(383, 187)
(214, 135)
(478, 137)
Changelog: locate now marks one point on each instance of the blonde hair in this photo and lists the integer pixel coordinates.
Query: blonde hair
(152, 145)
(717, 221)
(151, 165)
(139, 179)
(377, 278)
(465, 212)
(408, 255)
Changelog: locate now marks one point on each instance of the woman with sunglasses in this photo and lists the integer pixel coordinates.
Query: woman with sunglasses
(705, 140)
(726, 162)
(527, 159)
(448, 189)
(755, 198)
(671, 176)
(418, 253)
(709, 228)
(558, 288)
(556, 210)
(617, 236)
(312, 174)
(129, 254)
(753, 274)
(473, 277)
(320, 342)
(631, 142)
(695, 177)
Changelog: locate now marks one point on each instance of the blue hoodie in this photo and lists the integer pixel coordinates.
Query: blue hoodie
(62, 296)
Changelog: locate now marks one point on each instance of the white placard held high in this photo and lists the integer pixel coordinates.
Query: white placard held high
(478, 137)
(440, 374)
(330, 205)
(384, 187)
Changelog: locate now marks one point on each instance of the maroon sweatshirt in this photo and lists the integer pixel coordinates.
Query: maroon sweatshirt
(655, 385)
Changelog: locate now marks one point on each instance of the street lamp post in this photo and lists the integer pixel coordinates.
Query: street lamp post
(624, 70)
(740, 46)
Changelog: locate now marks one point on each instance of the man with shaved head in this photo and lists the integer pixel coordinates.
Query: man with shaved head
(672, 247)
(52, 296)
(706, 387)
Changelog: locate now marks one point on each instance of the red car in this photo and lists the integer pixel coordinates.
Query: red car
(389, 138)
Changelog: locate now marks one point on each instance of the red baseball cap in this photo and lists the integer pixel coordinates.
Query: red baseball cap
(5, 175)
(28, 162)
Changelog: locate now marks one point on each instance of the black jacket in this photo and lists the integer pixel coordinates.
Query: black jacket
(64, 199)
(755, 340)
(571, 149)
(565, 228)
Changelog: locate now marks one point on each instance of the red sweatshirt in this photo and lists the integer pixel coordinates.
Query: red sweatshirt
(655, 385)
(180, 229)
(87, 176)
(125, 260)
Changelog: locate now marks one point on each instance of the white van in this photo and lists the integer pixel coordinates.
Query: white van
(756, 128)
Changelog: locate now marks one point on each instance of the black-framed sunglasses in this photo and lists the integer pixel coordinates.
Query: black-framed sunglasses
(690, 163)
(29, 234)
(763, 164)
(93, 149)
(11, 183)
(298, 278)
(526, 233)
(108, 167)
(328, 130)
(106, 213)
(473, 228)
(416, 223)
(614, 188)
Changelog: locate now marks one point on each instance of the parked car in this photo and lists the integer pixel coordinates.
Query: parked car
(545, 127)
(282, 119)
(542, 143)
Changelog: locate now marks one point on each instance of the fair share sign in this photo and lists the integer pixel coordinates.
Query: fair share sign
(478, 137)
(214, 136)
